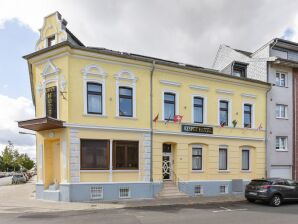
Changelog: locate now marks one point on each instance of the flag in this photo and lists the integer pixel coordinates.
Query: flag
(222, 124)
(260, 127)
(168, 119)
(156, 118)
(177, 118)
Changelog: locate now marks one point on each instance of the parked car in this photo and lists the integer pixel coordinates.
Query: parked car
(272, 190)
(18, 178)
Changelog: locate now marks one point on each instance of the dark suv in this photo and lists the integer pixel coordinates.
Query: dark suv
(272, 190)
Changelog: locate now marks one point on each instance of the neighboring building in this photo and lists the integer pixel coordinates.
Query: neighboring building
(107, 123)
(275, 63)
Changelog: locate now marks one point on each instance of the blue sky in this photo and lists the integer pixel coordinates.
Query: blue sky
(16, 41)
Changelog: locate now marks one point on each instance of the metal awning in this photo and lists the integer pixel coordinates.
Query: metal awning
(286, 62)
(41, 124)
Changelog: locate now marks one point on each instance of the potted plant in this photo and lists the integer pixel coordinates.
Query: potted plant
(234, 122)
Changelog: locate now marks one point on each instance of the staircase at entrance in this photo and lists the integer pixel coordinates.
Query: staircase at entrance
(170, 190)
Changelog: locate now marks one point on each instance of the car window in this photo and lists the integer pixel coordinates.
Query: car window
(291, 183)
(280, 182)
(259, 182)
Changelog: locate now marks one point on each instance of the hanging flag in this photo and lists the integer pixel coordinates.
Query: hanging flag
(178, 118)
(168, 119)
(222, 124)
(156, 118)
(260, 127)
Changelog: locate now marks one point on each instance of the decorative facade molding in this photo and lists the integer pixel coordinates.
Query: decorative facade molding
(249, 95)
(197, 87)
(170, 83)
(223, 91)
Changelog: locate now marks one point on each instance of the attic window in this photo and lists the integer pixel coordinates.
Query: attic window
(239, 70)
(51, 41)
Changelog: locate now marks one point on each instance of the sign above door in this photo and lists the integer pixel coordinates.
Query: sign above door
(196, 129)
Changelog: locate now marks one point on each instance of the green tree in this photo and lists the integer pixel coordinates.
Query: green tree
(1, 164)
(24, 161)
(7, 157)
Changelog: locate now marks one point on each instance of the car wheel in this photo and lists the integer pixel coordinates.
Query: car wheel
(276, 200)
(251, 200)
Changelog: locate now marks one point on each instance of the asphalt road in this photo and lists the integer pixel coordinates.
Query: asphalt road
(225, 213)
(5, 181)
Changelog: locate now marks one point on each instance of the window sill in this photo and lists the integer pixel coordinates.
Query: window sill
(94, 171)
(281, 150)
(125, 171)
(94, 115)
(282, 118)
(224, 171)
(197, 171)
(123, 117)
(246, 171)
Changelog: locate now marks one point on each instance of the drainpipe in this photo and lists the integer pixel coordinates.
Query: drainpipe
(151, 123)
(267, 133)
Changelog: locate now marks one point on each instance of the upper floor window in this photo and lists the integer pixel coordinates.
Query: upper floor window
(51, 41)
(224, 112)
(169, 106)
(281, 143)
(198, 105)
(51, 102)
(239, 69)
(94, 98)
(125, 101)
(280, 79)
(223, 159)
(94, 154)
(197, 158)
(126, 155)
(281, 111)
(247, 115)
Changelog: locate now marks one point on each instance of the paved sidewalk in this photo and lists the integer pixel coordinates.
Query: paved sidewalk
(21, 199)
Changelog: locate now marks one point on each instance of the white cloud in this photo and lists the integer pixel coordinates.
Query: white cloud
(13, 110)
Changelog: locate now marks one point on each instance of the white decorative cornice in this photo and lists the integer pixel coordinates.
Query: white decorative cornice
(197, 87)
(125, 75)
(223, 91)
(248, 95)
(94, 70)
(169, 83)
(49, 69)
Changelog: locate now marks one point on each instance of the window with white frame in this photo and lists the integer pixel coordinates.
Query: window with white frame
(245, 159)
(281, 143)
(198, 190)
(198, 109)
(247, 115)
(223, 189)
(51, 41)
(96, 192)
(197, 158)
(124, 192)
(169, 106)
(125, 101)
(223, 113)
(223, 158)
(281, 111)
(280, 79)
(94, 98)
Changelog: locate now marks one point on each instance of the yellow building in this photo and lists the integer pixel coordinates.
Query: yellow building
(113, 125)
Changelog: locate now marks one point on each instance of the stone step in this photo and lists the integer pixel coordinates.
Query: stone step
(170, 190)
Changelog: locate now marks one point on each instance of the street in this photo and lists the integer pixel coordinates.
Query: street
(241, 212)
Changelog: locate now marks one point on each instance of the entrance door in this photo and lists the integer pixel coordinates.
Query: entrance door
(167, 162)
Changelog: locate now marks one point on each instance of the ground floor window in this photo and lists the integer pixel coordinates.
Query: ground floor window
(196, 158)
(223, 159)
(125, 155)
(245, 159)
(94, 154)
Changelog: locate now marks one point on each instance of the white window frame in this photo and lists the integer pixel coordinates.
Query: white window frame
(100, 196)
(252, 114)
(229, 112)
(286, 111)
(124, 197)
(103, 96)
(286, 144)
(223, 147)
(201, 190)
(202, 149)
(205, 109)
(279, 73)
(176, 102)
(226, 189)
(249, 159)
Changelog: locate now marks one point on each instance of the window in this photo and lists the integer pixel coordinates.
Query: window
(198, 190)
(96, 192)
(247, 115)
(223, 159)
(169, 106)
(51, 41)
(124, 192)
(125, 102)
(198, 105)
(280, 79)
(197, 158)
(223, 189)
(51, 102)
(281, 143)
(94, 154)
(281, 111)
(224, 113)
(94, 98)
(239, 69)
(126, 155)
(245, 159)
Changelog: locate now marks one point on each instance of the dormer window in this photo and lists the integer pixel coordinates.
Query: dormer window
(51, 41)
(239, 69)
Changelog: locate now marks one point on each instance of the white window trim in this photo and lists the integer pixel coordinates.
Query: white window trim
(286, 111)
(252, 114)
(226, 189)
(100, 196)
(286, 78)
(129, 193)
(201, 190)
(224, 147)
(229, 112)
(176, 102)
(286, 144)
(103, 96)
(249, 162)
(205, 109)
(201, 147)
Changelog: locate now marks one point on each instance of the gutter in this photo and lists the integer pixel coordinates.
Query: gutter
(267, 131)
(151, 123)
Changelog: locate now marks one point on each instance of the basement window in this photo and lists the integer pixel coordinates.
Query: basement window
(124, 192)
(96, 192)
(223, 189)
(198, 190)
